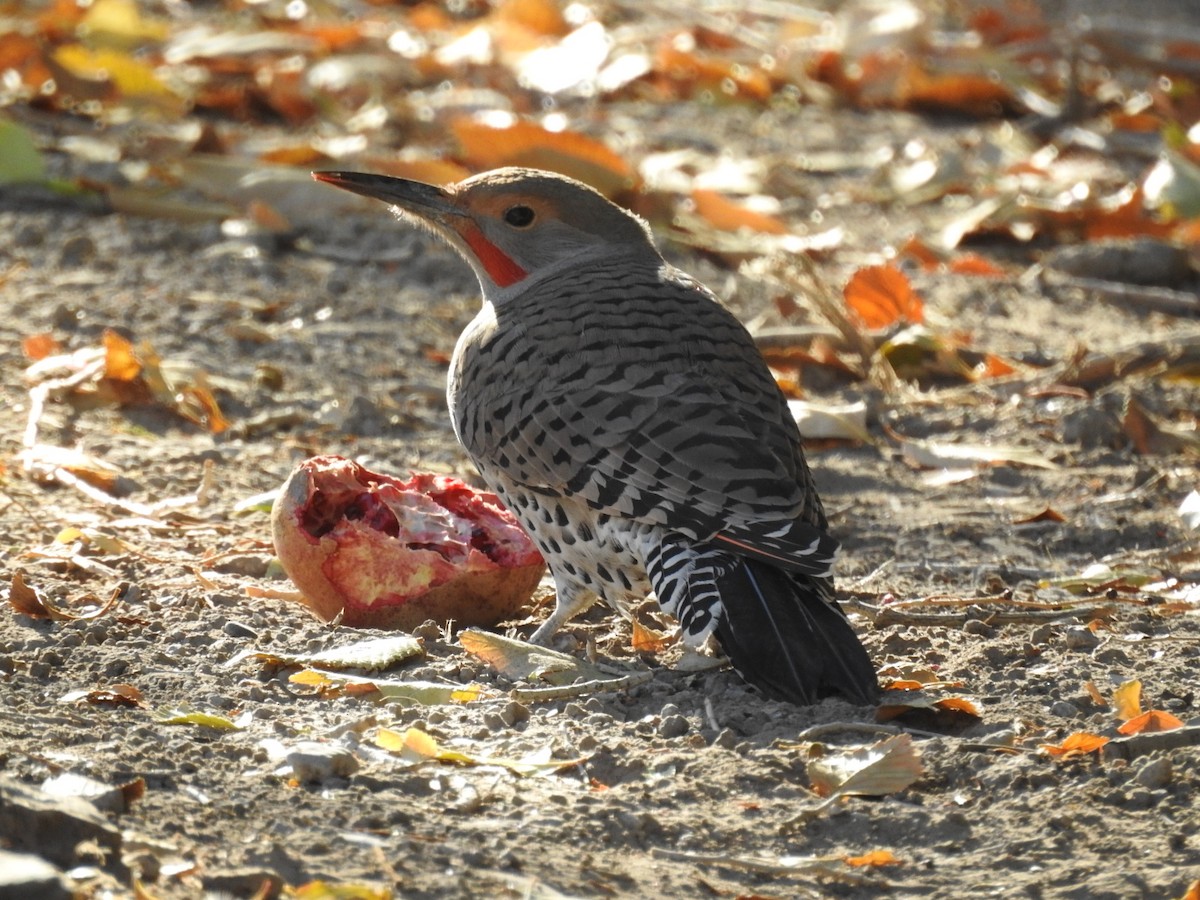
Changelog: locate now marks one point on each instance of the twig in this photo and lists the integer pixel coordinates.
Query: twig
(818, 866)
(567, 691)
(710, 714)
(1148, 741)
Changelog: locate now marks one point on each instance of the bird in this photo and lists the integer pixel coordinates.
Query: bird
(628, 420)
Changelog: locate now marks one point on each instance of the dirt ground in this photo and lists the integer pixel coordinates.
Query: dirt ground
(336, 343)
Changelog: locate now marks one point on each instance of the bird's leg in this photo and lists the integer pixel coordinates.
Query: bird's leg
(570, 600)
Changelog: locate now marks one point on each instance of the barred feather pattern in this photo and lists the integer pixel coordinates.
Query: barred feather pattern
(685, 582)
(630, 423)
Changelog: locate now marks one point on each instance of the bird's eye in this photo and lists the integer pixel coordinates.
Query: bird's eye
(518, 216)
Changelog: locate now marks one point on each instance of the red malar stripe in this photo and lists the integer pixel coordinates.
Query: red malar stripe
(499, 266)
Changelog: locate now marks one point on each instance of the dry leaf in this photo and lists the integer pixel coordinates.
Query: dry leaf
(885, 767)
(1127, 700)
(873, 858)
(728, 215)
(1153, 720)
(414, 746)
(1048, 514)
(520, 660)
(1094, 693)
(647, 640)
(39, 346)
(882, 296)
(525, 144)
(1076, 744)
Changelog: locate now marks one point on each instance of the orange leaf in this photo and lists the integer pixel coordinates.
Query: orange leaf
(978, 95)
(687, 71)
(974, 264)
(1127, 700)
(120, 362)
(958, 704)
(1153, 720)
(1193, 891)
(916, 248)
(1077, 743)
(882, 296)
(525, 144)
(873, 858)
(728, 215)
(542, 17)
(1049, 514)
(646, 640)
(39, 346)
(1094, 693)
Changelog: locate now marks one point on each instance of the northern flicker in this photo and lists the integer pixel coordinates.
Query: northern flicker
(630, 423)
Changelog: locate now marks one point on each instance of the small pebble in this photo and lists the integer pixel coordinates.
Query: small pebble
(1064, 709)
(587, 743)
(515, 712)
(1078, 637)
(494, 720)
(1042, 634)
(314, 762)
(1154, 774)
(673, 726)
(725, 738)
(238, 630)
(428, 630)
(978, 627)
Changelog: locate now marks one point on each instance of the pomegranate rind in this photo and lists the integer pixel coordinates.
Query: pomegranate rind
(388, 553)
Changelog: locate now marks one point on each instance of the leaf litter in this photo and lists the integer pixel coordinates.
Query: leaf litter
(1011, 349)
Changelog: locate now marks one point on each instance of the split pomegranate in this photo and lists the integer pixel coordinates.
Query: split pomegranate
(388, 553)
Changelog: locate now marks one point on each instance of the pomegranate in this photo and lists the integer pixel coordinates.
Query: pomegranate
(387, 553)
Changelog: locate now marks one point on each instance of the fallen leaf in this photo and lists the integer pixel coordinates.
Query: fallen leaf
(1048, 514)
(427, 693)
(526, 144)
(728, 215)
(881, 296)
(522, 661)
(1152, 720)
(415, 746)
(873, 858)
(114, 695)
(818, 421)
(1076, 744)
(885, 767)
(1127, 700)
(1094, 693)
(941, 455)
(1189, 511)
(377, 653)
(647, 640)
(39, 346)
(203, 719)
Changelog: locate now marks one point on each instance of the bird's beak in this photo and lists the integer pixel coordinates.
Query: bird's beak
(427, 201)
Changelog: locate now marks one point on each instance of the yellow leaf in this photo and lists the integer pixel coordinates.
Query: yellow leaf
(1127, 700)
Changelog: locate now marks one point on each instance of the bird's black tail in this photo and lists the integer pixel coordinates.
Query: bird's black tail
(783, 635)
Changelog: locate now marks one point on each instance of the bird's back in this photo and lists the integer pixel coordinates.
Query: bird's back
(600, 365)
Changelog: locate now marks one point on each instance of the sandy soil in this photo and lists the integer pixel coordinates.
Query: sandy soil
(336, 344)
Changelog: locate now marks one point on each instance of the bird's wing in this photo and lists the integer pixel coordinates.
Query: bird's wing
(669, 450)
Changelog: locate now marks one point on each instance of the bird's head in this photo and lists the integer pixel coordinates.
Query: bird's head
(509, 223)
